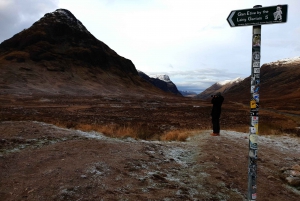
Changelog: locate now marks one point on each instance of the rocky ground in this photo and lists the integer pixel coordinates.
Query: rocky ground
(41, 161)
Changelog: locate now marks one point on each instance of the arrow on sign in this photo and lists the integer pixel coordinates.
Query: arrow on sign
(229, 19)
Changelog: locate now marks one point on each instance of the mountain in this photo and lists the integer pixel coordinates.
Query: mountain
(222, 87)
(188, 93)
(58, 55)
(279, 87)
(161, 81)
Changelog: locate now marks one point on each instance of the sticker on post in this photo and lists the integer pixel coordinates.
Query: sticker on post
(254, 119)
(256, 70)
(256, 64)
(256, 56)
(253, 113)
(256, 97)
(256, 40)
(252, 130)
(254, 81)
(252, 104)
(253, 141)
(253, 153)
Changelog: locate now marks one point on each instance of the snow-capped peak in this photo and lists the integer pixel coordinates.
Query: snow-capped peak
(63, 16)
(236, 80)
(285, 61)
(165, 78)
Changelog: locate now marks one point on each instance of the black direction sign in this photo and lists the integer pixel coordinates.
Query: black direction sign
(258, 16)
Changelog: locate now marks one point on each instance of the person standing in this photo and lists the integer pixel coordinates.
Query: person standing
(217, 101)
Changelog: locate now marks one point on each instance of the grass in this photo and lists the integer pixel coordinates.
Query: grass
(136, 131)
(113, 130)
(178, 135)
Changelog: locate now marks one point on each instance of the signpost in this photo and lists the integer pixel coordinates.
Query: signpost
(258, 16)
(255, 17)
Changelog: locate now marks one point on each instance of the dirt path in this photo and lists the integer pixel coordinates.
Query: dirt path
(39, 161)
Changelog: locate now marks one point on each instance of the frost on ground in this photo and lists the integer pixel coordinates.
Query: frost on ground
(77, 165)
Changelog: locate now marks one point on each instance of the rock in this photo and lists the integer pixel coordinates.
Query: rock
(272, 178)
(295, 173)
(284, 169)
(293, 181)
(296, 167)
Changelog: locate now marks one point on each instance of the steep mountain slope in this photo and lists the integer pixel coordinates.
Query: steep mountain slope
(163, 82)
(222, 87)
(58, 55)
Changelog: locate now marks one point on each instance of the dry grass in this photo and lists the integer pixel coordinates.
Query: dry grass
(112, 130)
(178, 135)
(136, 131)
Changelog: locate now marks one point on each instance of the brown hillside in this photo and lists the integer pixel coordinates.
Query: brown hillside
(279, 88)
(58, 55)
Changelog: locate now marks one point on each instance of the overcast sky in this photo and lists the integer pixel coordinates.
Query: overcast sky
(189, 40)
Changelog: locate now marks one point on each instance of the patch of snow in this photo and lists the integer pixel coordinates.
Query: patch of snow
(92, 135)
(285, 61)
(280, 142)
(236, 80)
(165, 78)
(177, 154)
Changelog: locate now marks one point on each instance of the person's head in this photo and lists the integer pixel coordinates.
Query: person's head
(218, 94)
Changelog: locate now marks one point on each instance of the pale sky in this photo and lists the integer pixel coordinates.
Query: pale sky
(189, 40)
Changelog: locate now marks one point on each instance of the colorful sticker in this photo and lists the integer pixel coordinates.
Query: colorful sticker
(256, 89)
(252, 104)
(256, 128)
(254, 119)
(256, 70)
(254, 196)
(256, 97)
(256, 41)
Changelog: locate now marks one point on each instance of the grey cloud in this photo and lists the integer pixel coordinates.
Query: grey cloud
(198, 80)
(16, 15)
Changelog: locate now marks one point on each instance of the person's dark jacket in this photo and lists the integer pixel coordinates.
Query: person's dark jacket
(217, 103)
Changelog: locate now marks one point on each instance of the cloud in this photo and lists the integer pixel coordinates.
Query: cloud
(197, 80)
(16, 15)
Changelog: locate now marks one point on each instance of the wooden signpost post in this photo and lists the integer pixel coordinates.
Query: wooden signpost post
(256, 17)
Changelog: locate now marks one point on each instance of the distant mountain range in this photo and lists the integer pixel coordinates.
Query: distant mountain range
(188, 93)
(222, 87)
(161, 81)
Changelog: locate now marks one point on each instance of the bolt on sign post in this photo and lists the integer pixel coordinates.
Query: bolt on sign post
(255, 17)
